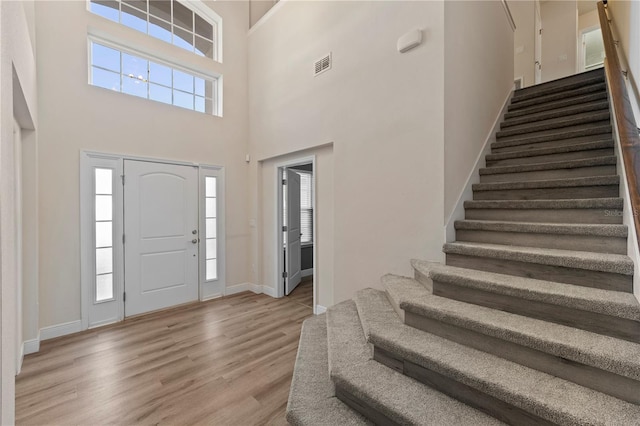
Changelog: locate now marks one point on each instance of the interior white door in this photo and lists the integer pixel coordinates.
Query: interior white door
(293, 248)
(161, 235)
(538, 45)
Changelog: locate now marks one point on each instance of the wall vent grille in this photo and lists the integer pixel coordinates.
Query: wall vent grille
(323, 64)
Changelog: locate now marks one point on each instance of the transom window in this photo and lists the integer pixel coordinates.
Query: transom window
(167, 20)
(135, 75)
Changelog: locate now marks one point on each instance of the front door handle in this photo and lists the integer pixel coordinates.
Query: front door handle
(194, 241)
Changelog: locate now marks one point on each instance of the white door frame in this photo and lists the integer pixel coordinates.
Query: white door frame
(278, 226)
(91, 159)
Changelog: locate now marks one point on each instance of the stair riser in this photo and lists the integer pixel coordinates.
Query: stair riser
(577, 276)
(548, 115)
(582, 134)
(538, 127)
(565, 156)
(556, 105)
(591, 321)
(526, 146)
(363, 408)
(605, 170)
(547, 215)
(596, 88)
(589, 243)
(591, 377)
(578, 192)
(499, 409)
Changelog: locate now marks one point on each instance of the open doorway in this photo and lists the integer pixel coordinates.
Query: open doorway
(591, 49)
(296, 208)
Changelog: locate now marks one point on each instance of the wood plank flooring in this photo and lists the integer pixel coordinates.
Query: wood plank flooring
(224, 362)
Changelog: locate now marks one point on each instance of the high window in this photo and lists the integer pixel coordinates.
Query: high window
(135, 75)
(168, 20)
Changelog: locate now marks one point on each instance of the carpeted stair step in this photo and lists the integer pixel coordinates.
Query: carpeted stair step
(526, 145)
(597, 270)
(611, 313)
(577, 151)
(568, 111)
(509, 391)
(572, 354)
(553, 97)
(381, 394)
(596, 210)
(312, 399)
(596, 166)
(562, 84)
(555, 123)
(555, 135)
(574, 188)
(596, 238)
(561, 103)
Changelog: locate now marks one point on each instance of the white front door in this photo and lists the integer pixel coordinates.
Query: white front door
(293, 248)
(161, 235)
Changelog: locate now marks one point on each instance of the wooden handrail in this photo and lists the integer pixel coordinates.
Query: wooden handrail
(625, 121)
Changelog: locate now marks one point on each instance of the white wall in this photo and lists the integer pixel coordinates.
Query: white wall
(77, 116)
(477, 82)
(588, 20)
(381, 109)
(559, 38)
(524, 15)
(17, 89)
(257, 9)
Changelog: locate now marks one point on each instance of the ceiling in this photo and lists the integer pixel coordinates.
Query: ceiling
(585, 6)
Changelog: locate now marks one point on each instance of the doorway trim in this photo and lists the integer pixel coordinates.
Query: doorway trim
(279, 224)
(88, 161)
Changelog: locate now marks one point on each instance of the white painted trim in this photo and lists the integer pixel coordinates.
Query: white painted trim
(59, 330)
(31, 346)
(212, 297)
(269, 291)
(255, 288)
(237, 288)
(319, 309)
(306, 272)
(274, 9)
(474, 175)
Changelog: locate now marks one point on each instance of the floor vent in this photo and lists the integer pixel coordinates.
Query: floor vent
(323, 64)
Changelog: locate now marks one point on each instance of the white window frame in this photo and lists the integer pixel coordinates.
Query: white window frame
(211, 289)
(97, 313)
(196, 6)
(95, 36)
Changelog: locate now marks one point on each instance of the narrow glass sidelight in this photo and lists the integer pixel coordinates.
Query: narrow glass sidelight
(103, 232)
(211, 215)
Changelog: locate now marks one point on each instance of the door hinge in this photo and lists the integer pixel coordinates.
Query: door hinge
(122, 177)
(284, 229)
(285, 274)
(540, 30)
(124, 296)
(284, 181)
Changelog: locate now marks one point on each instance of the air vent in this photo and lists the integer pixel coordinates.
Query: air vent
(323, 64)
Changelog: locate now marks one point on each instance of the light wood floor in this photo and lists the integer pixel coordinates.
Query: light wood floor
(224, 362)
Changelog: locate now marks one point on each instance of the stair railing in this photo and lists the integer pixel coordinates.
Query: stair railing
(623, 115)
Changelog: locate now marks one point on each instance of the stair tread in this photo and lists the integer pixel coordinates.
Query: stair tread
(581, 79)
(549, 98)
(312, 398)
(606, 302)
(589, 129)
(548, 183)
(565, 111)
(583, 203)
(555, 123)
(551, 165)
(600, 230)
(603, 262)
(549, 397)
(606, 142)
(398, 397)
(560, 103)
(604, 352)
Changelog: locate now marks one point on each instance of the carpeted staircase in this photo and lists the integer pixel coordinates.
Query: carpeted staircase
(530, 322)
